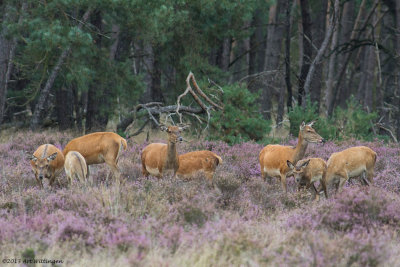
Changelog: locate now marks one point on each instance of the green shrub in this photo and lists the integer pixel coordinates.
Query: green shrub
(349, 122)
(240, 120)
(323, 126)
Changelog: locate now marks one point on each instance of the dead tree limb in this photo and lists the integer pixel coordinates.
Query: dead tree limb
(156, 108)
(324, 45)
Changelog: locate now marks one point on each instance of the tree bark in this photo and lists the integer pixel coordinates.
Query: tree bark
(324, 45)
(288, 82)
(356, 33)
(332, 64)
(346, 26)
(275, 33)
(318, 32)
(307, 49)
(223, 56)
(397, 46)
(7, 51)
(44, 93)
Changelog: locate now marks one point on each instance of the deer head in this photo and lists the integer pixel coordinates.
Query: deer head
(309, 134)
(298, 170)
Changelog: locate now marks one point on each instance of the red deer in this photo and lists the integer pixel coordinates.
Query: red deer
(273, 158)
(100, 147)
(158, 158)
(349, 163)
(198, 162)
(307, 172)
(75, 166)
(47, 162)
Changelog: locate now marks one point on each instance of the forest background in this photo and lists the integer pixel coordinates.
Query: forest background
(84, 65)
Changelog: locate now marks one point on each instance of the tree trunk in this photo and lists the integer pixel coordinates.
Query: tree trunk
(346, 26)
(275, 33)
(44, 93)
(7, 51)
(288, 82)
(307, 49)
(64, 108)
(223, 56)
(318, 33)
(334, 16)
(397, 46)
(332, 64)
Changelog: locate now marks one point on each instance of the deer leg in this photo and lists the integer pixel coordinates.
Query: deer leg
(283, 182)
(314, 193)
(370, 176)
(324, 188)
(342, 181)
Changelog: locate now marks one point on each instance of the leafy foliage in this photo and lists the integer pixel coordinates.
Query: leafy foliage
(240, 119)
(350, 122)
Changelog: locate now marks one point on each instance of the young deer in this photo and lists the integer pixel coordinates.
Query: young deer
(75, 166)
(198, 162)
(98, 148)
(273, 158)
(349, 163)
(47, 162)
(307, 172)
(158, 158)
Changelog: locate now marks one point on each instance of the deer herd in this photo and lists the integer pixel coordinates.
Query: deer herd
(160, 160)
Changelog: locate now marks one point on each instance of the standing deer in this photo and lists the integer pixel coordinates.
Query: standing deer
(98, 148)
(75, 166)
(198, 162)
(349, 163)
(307, 172)
(273, 158)
(47, 162)
(158, 158)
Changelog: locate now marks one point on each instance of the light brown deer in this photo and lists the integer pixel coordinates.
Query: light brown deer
(349, 163)
(198, 162)
(158, 158)
(273, 158)
(47, 162)
(307, 172)
(75, 166)
(100, 147)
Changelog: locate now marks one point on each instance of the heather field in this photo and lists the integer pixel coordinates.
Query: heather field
(241, 221)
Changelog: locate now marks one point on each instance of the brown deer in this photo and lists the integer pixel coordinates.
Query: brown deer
(198, 162)
(273, 158)
(47, 162)
(100, 147)
(158, 158)
(349, 163)
(307, 172)
(75, 166)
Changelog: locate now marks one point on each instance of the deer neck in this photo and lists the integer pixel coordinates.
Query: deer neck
(300, 149)
(172, 161)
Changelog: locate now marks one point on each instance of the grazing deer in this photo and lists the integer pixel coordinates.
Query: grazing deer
(157, 158)
(273, 158)
(47, 162)
(307, 172)
(349, 163)
(198, 162)
(98, 148)
(75, 166)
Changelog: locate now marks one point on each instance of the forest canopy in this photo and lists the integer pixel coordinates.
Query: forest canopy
(83, 64)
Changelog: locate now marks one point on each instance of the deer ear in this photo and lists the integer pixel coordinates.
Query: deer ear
(290, 165)
(311, 123)
(181, 128)
(303, 124)
(52, 156)
(305, 164)
(32, 157)
(163, 128)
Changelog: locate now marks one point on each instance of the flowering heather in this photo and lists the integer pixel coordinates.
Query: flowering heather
(239, 220)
